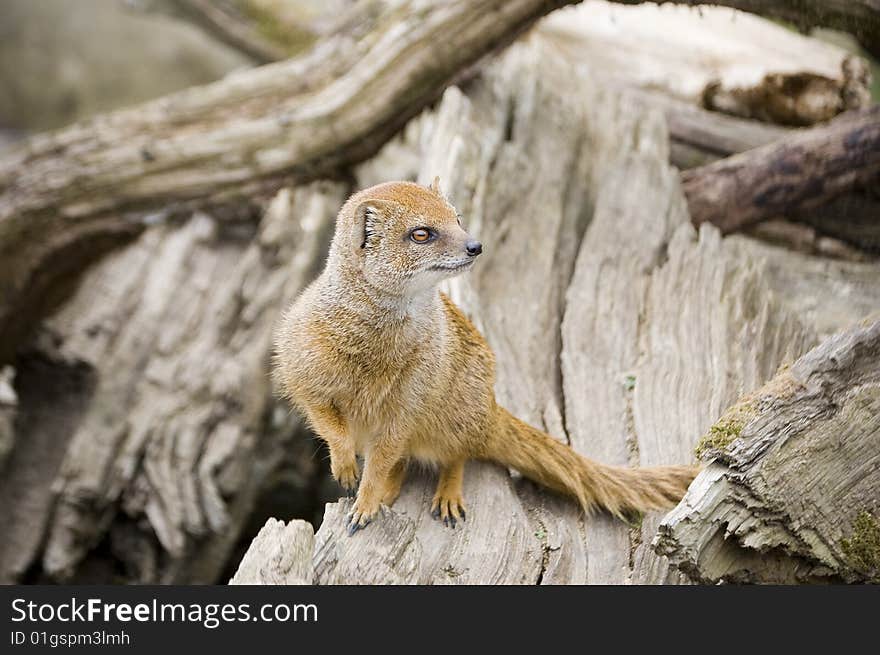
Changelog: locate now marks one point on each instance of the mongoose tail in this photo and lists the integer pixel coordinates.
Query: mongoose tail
(619, 490)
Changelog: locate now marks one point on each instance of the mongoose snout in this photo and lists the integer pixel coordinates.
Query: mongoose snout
(473, 248)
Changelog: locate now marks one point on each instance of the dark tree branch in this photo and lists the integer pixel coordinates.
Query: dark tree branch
(799, 172)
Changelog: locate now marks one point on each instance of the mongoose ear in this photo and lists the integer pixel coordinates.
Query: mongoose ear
(435, 186)
(366, 224)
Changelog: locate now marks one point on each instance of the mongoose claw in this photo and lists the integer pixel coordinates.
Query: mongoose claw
(357, 521)
(361, 516)
(448, 511)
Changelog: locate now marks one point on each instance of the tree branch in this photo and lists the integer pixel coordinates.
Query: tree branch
(288, 122)
(799, 172)
(861, 18)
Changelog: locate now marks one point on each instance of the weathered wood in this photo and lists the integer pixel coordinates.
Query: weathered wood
(627, 49)
(145, 428)
(237, 139)
(633, 326)
(861, 18)
(852, 218)
(798, 99)
(279, 554)
(146, 416)
(799, 172)
(482, 145)
(635, 46)
(804, 238)
(251, 132)
(793, 490)
(699, 137)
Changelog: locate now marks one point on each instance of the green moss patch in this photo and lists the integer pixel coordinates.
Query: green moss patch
(862, 548)
(728, 428)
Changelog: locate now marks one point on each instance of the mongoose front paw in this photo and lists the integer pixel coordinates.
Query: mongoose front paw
(448, 510)
(346, 474)
(362, 514)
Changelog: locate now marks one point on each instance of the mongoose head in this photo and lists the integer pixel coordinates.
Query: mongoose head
(403, 238)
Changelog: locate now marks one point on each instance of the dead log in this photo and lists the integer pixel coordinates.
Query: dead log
(279, 554)
(99, 181)
(146, 427)
(799, 172)
(797, 99)
(631, 46)
(839, 227)
(861, 18)
(68, 197)
(806, 239)
(793, 490)
(626, 49)
(851, 218)
(699, 136)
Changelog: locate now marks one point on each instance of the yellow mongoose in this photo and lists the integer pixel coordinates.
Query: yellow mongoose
(384, 365)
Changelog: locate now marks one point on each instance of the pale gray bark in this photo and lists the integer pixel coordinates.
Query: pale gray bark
(861, 18)
(147, 420)
(279, 554)
(229, 142)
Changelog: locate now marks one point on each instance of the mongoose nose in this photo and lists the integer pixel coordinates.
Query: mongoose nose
(473, 248)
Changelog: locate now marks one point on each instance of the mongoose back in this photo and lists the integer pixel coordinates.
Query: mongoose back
(385, 366)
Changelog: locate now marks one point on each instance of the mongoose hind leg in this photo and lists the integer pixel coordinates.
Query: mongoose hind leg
(448, 505)
(381, 461)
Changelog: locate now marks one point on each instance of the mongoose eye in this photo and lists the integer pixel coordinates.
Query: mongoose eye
(421, 235)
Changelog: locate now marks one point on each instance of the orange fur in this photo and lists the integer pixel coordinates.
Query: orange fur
(385, 366)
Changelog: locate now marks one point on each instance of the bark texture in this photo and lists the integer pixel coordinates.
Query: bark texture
(8, 405)
(793, 490)
(279, 554)
(146, 423)
(799, 172)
